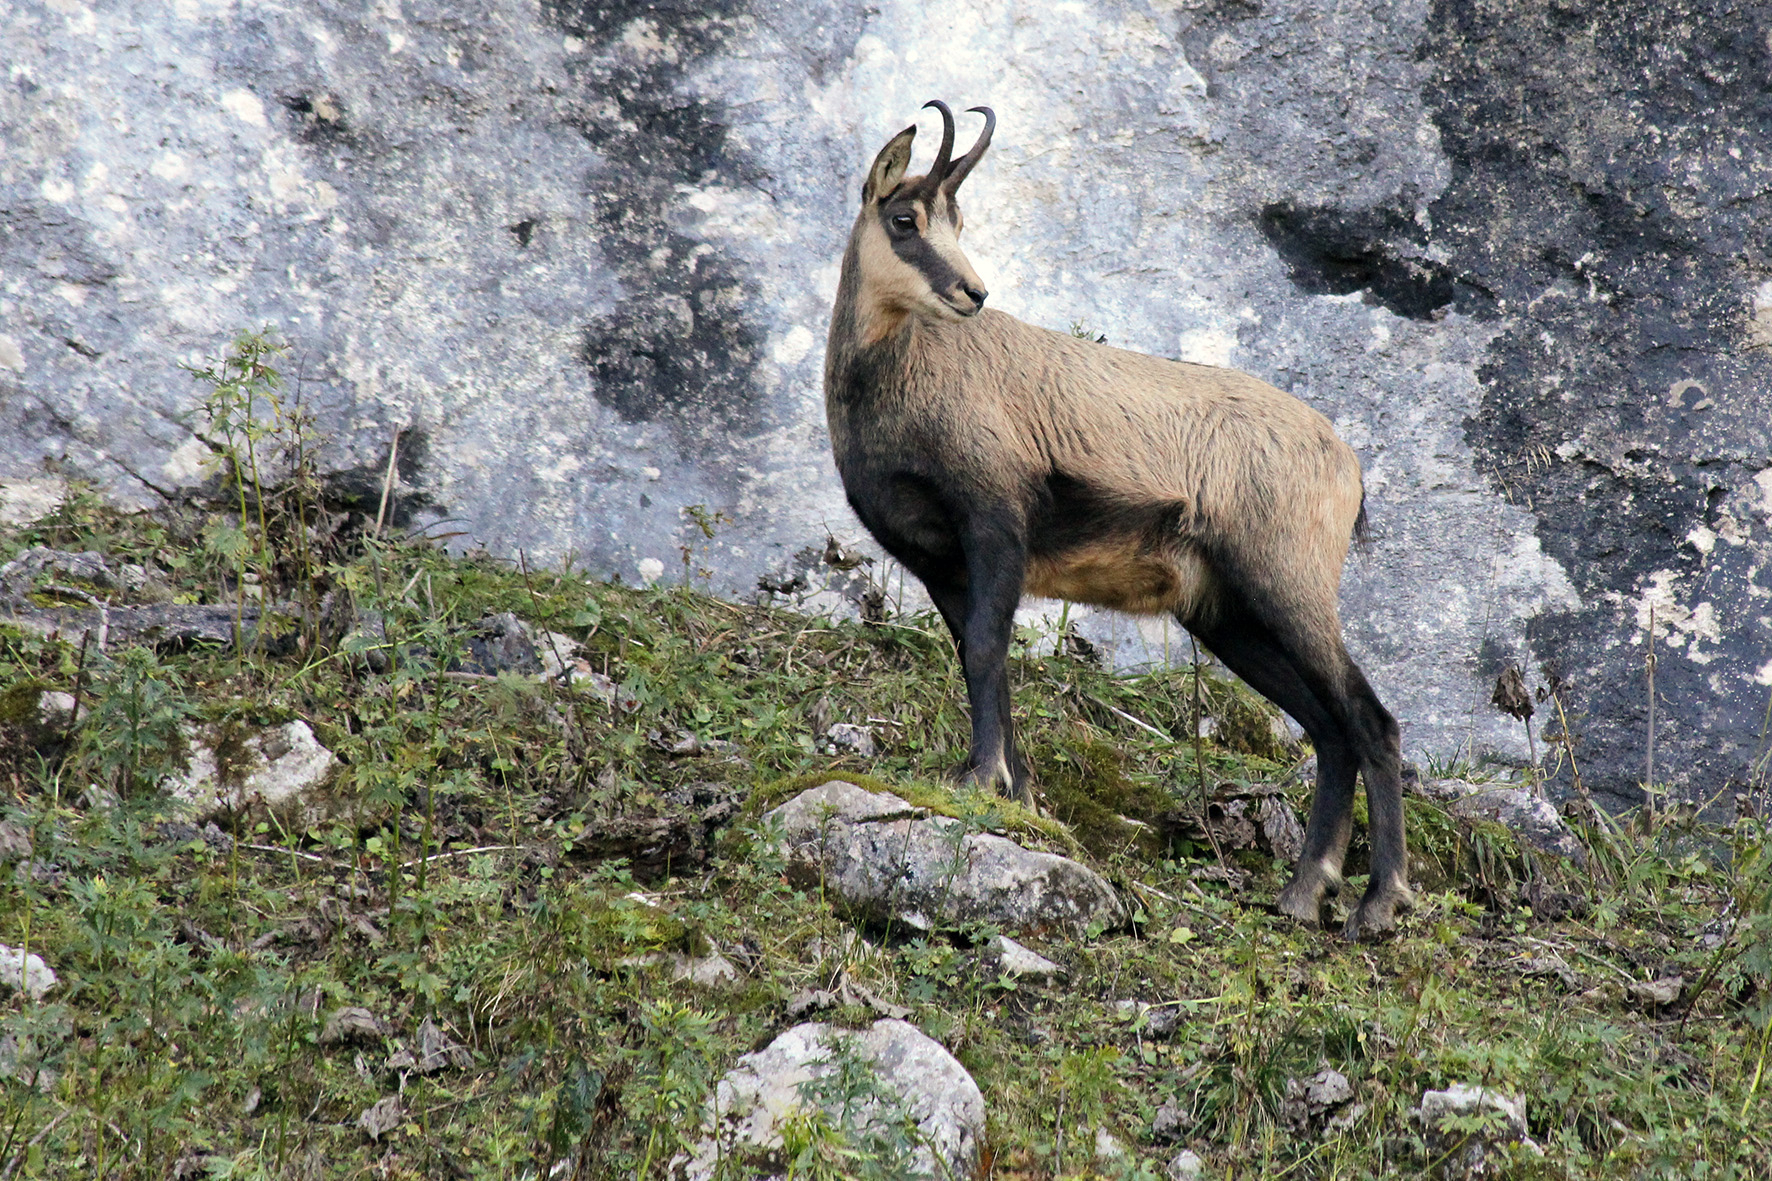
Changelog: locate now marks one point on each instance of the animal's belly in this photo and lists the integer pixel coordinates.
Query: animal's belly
(1122, 574)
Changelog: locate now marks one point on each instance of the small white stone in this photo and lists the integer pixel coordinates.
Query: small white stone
(1185, 1165)
(1015, 960)
(848, 738)
(1463, 1099)
(55, 709)
(27, 972)
(709, 971)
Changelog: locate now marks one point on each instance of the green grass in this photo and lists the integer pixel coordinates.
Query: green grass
(198, 971)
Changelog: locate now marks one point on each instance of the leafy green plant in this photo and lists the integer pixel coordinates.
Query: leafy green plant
(263, 455)
(133, 739)
(849, 1125)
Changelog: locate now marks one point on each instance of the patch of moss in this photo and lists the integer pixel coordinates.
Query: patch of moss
(1086, 784)
(1245, 723)
(992, 813)
(18, 702)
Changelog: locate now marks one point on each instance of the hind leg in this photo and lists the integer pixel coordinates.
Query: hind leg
(1251, 651)
(1375, 736)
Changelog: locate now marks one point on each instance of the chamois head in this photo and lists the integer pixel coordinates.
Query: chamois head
(906, 240)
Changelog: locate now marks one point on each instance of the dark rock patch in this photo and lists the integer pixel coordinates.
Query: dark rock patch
(1610, 187)
(679, 348)
(1380, 251)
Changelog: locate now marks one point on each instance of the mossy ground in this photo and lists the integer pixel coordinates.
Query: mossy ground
(197, 974)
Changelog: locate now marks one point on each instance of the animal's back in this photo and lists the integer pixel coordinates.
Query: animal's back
(1136, 427)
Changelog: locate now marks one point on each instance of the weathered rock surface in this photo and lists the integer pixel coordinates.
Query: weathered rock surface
(504, 643)
(847, 738)
(915, 1082)
(892, 863)
(1253, 816)
(353, 1024)
(1148, 1020)
(25, 501)
(1166, 1124)
(1320, 1102)
(382, 1117)
(171, 626)
(281, 768)
(1532, 818)
(579, 256)
(674, 832)
(709, 971)
(1466, 1155)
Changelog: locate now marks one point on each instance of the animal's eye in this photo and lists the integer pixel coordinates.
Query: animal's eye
(904, 223)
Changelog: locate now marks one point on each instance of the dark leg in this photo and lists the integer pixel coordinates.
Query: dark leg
(981, 614)
(1349, 738)
(950, 600)
(1381, 764)
(1250, 651)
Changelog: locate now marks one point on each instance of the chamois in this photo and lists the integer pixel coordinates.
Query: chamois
(995, 459)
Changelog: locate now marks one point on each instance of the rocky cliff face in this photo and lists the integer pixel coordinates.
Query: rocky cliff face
(579, 256)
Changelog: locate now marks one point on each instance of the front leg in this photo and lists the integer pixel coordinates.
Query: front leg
(996, 557)
(950, 599)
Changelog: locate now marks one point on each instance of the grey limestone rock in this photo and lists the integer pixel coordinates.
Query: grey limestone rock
(23, 501)
(25, 972)
(353, 1024)
(1166, 1124)
(1531, 817)
(1313, 1101)
(890, 862)
(281, 768)
(848, 738)
(382, 1117)
(709, 971)
(918, 1103)
(1474, 1156)
(1185, 1165)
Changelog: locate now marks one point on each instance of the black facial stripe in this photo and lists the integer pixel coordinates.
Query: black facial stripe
(935, 269)
(916, 249)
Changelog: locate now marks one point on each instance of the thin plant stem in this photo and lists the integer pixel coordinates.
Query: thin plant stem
(1649, 765)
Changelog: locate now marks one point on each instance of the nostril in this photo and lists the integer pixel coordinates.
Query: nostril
(977, 294)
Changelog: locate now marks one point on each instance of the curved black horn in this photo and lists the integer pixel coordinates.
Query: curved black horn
(964, 164)
(938, 170)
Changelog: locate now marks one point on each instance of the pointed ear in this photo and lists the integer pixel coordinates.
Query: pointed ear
(889, 167)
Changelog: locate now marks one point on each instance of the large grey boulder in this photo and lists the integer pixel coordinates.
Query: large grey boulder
(578, 259)
(914, 1103)
(891, 862)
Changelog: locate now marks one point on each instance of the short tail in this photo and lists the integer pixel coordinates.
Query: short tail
(1362, 527)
